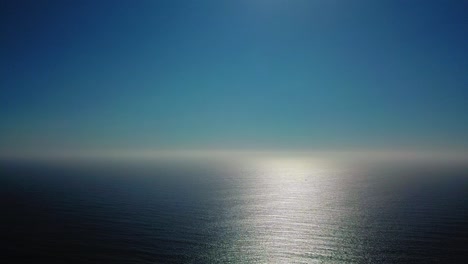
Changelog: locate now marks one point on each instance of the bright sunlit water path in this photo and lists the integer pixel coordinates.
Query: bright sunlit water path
(272, 210)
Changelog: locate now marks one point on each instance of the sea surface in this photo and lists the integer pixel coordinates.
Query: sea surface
(270, 211)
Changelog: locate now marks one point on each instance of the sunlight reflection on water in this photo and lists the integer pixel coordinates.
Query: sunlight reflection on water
(289, 213)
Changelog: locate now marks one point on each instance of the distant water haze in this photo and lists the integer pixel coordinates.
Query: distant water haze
(230, 156)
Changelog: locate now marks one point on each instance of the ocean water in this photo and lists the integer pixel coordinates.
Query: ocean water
(276, 211)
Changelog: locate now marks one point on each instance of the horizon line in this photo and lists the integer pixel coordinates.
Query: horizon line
(132, 154)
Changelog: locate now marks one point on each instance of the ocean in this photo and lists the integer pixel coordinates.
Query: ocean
(271, 211)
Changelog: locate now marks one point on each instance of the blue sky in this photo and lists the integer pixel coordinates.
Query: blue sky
(254, 74)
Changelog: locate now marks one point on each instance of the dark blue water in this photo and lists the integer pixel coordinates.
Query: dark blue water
(197, 212)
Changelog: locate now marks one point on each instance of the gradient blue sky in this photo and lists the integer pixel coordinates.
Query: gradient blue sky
(249, 74)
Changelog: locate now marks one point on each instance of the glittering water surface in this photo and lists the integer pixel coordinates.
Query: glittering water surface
(273, 211)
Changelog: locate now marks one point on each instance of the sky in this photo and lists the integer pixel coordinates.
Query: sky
(246, 74)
